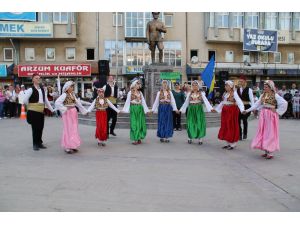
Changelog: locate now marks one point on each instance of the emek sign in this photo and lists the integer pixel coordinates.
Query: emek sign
(55, 70)
(260, 40)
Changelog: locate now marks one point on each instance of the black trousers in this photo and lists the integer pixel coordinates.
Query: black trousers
(36, 120)
(244, 118)
(111, 114)
(11, 109)
(176, 120)
(18, 109)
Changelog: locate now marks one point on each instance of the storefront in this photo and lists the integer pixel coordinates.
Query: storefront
(81, 74)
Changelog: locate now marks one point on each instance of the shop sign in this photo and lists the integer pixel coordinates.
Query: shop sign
(26, 29)
(170, 75)
(3, 70)
(64, 70)
(23, 16)
(134, 69)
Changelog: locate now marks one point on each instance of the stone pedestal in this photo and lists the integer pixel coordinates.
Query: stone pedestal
(152, 80)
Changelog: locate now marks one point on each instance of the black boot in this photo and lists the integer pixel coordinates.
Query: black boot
(36, 148)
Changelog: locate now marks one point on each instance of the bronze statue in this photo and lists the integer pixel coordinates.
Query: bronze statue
(154, 31)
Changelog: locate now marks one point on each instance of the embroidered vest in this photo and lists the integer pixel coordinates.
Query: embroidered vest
(230, 98)
(162, 97)
(268, 99)
(69, 100)
(101, 103)
(196, 96)
(136, 97)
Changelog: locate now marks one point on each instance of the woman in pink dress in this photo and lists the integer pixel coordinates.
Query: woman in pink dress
(66, 104)
(267, 135)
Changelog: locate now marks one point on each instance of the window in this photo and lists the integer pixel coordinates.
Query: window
(284, 20)
(263, 57)
(45, 17)
(29, 54)
(120, 19)
(237, 20)
(229, 56)
(60, 17)
(251, 20)
(222, 19)
(297, 21)
(70, 54)
(172, 53)
(246, 57)
(136, 23)
(254, 58)
(277, 57)
(211, 19)
(271, 20)
(110, 52)
(291, 57)
(8, 54)
(50, 54)
(211, 53)
(168, 20)
(90, 54)
(194, 52)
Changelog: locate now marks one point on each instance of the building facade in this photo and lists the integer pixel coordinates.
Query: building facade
(68, 38)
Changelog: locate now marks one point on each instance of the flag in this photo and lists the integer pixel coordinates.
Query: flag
(208, 76)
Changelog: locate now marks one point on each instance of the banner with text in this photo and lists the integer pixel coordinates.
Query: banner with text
(3, 70)
(66, 70)
(21, 16)
(26, 29)
(260, 40)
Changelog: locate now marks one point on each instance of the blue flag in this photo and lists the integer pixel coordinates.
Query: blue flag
(208, 76)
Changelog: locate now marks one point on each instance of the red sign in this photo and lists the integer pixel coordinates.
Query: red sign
(64, 70)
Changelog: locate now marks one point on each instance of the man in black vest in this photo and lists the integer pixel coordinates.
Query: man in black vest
(35, 100)
(246, 94)
(111, 92)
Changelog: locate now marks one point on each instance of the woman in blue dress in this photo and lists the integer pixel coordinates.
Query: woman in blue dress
(165, 105)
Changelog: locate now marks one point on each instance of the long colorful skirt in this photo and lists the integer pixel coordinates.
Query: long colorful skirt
(165, 121)
(229, 130)
(138, 128)
(70, 137)
(267, 135)
(101, 125)
(196, 122)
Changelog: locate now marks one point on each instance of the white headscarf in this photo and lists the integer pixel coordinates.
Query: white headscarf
(230, 83)
(198, 83)
(67, 85)
(133, 84)
(271, 84)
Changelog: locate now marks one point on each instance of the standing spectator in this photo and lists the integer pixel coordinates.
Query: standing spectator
(11, 98)
(17, 104)
(217, 98)
(6, 103)
(294, 89)
(179, 99)
(50, 99)
(283, 91)
(2, 100)
(296, 105)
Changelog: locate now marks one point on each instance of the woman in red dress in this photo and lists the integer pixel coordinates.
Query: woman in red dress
(101, 104)
(230, 108)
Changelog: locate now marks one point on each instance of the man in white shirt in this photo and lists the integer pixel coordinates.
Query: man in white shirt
(36, 98)
(246, 94)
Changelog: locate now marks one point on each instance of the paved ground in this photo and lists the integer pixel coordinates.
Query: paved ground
(150, 177)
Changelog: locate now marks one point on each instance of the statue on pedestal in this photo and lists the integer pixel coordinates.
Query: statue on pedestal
(154, 31)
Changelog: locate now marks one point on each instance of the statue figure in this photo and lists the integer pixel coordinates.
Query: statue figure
(154, 31)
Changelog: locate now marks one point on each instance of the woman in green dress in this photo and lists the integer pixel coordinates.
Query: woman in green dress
(136, 105)
(196, 122)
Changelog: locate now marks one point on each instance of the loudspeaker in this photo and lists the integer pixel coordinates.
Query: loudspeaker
(222, 77)
(103, 67)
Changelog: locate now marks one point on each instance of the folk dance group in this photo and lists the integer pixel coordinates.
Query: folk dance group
(236, 105)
